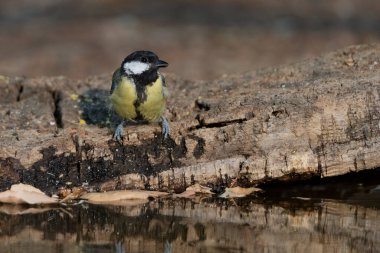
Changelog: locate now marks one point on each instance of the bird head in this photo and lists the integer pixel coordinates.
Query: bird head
(140, 62)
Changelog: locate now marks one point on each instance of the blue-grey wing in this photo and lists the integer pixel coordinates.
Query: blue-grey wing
(116, 78)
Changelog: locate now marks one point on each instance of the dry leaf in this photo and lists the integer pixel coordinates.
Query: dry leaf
(199, 189)
(238, 192)
(192, 190)
(113, 196)
(185, 194)
(75, 193)
(25, 194)
(126, 203)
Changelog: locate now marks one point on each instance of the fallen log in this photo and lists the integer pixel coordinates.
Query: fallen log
(318, 117)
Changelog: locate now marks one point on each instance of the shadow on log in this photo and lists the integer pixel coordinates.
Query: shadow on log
(315, 118)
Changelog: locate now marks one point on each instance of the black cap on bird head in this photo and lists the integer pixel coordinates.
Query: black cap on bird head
(139, 62)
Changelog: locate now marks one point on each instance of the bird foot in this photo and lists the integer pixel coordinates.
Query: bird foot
(119, 131)
(165, 128)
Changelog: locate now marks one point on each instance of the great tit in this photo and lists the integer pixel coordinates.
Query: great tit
(138, 92)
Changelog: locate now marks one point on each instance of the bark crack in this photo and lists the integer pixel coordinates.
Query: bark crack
(20, 91)
(78, 153)
(57, 97)
(218, 124)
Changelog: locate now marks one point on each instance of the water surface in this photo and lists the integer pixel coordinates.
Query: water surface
(296, 219)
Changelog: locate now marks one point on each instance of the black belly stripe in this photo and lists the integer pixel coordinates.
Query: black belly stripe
(141, 82)
(139, 116)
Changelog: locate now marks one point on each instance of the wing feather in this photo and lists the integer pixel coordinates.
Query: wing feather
(116, 78)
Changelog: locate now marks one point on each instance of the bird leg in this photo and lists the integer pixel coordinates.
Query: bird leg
(165, 127)
(118, 135)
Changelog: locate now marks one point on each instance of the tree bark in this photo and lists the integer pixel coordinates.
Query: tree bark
(318, 117)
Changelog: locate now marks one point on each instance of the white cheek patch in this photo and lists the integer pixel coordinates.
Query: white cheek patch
(135, 67)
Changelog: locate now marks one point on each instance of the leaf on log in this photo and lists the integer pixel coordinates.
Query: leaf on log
(25, 194)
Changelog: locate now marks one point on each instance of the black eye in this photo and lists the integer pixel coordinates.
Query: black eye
(144, 59)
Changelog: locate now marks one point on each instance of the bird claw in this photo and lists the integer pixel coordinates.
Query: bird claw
(118, 135)
(165, 128)
(119, 131)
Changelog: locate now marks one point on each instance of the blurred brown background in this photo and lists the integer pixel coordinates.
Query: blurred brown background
(200, 39)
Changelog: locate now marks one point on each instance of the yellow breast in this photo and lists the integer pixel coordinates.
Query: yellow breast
(154, 105)
(123, 99)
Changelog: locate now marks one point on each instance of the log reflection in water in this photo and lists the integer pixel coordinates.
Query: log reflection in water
(186, 226)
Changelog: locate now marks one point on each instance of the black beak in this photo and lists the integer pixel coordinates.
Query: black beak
(161, 64)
